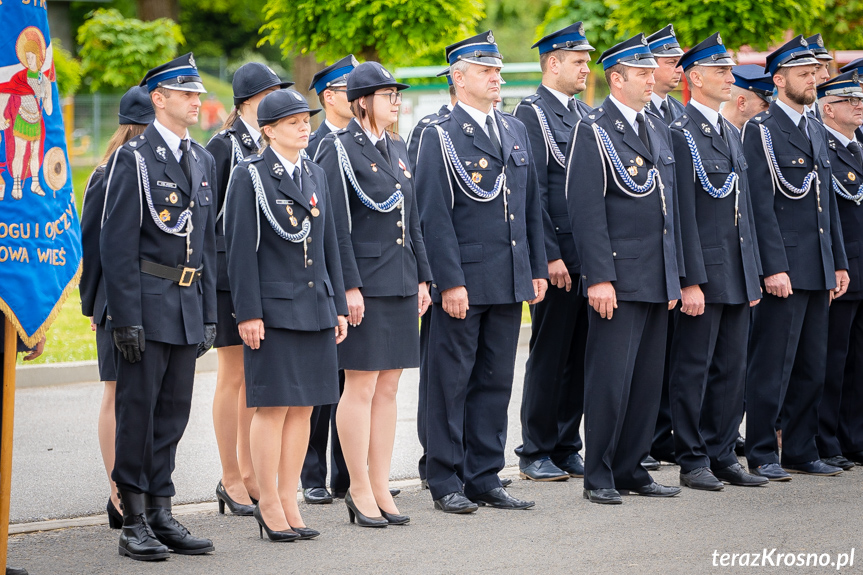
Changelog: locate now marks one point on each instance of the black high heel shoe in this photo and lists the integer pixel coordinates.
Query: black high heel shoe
(115, 518)
(362, 520)
(395, 518)
(277, 536)
(235, 508)
(306, 533)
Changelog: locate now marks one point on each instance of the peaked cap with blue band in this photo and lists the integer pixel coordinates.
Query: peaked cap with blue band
(847, 84)
(178, 74)
(709, 52)
(570, 38)
(751, 77)
(795, 52)
(479, 49)
(853, 65)
(335, 74)
(816, 44)
(664, 43)
(633, 52)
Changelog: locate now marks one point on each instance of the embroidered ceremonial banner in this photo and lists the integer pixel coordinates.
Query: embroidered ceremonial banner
(40, 236)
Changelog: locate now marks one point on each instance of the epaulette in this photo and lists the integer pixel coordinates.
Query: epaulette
(760, 117)
(135, 142)
(593, 116)
(251, 158)
(679, 122)
(223, 132)
(531, 99)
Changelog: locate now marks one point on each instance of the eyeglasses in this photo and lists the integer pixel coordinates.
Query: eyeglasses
(338, 89)
(853, 101)
(395, 97)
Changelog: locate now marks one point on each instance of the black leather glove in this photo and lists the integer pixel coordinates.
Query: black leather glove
(209, 339)
(130, 341)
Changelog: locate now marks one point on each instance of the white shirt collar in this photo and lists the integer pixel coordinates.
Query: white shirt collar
(839, 136)
(255, 134)
(172, 140)
(811, 108)
(289, 166)
(628, 113)
(793, 114)
(331, 126)
(479, 116)
(710, 114)
(658, 100)
(564, 99)
(450, 107)
(373, 138)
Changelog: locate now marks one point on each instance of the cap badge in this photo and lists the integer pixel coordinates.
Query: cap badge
(385, 73)
(297, 96)
(802, 41)
(643, 40)
(490, 37)
(161, 151)
(581, 29)
(192, 62)
(718, 39)
(354, 61)
(820, 41)
(855, 77)
(671, 29)
(272, 71)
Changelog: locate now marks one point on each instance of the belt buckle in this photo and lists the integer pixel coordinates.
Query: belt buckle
(190, 272)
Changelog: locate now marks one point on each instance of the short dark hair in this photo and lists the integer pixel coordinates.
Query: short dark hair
(621, 69)
(561, 55)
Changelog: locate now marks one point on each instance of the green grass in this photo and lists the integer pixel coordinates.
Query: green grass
(69, 338)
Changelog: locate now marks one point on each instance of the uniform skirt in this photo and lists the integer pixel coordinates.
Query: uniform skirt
(387, 338)
(227, 332)
(105, 353)
(298, 368)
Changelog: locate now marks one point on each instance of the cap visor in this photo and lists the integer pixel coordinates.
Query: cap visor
(485, 61)
(670, 53)
(186, 87)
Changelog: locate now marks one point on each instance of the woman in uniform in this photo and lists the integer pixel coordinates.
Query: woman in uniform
(136, 111)
(239, 137)
(385, 270)
(288, 293)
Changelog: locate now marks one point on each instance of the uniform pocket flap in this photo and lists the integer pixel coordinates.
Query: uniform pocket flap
(367, 249)
(329, 286)
(625, 249)
(520, 157)
(798, 161)
(561, 136)
(470, 253)
(717, 165)
(666, 157)
(789, 239)
(713, 256)
(277, 290)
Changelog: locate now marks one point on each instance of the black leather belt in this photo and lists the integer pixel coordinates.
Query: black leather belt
(180, 275)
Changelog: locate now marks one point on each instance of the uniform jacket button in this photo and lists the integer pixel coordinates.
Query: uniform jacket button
(399, 241)
(311, 284)
(309, 240)
(111, 318)
(309, 261)
(513, 242)
(512, 216)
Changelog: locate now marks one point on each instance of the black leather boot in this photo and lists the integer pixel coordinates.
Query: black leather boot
(171, 532)
(136, 538)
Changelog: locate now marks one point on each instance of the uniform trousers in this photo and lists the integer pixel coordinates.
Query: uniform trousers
(425, 330)
(843, 382)
(785, 376)
(708, 374)
(323, 427)
(624, 360)
(471, 366)
(554, 377)
(663, 435)
(153, 400)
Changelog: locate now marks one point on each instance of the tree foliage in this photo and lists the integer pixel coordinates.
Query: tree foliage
(222, 27)
(67, 68)
(116, 52)
(741, 22)
(402, 32)
(841, 24)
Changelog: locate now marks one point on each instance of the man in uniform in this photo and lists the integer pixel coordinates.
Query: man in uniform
(416, 133)
(331, 87)
(804, 267)
(841, 101)
(751, 93)
(822, 70)
(855, 65)
(482, 221)
(620, 190)
(553, 395)
(708, 350)
(159, 261)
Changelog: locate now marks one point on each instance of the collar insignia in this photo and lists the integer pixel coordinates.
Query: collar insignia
(468, 128)
(618, 125)
(278, 168)
(705, 128)
(161, 151)
(247, 140)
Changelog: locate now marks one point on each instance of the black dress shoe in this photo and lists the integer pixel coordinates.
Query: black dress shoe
(839, 461)
(16, 571)
(235, 508)
(394, 492)
(305, 533)
(506, 482)
(395, 518)
(816, 467)
(137, 540)
(573, 465)
(655, 490)
(650, 463)
(115, 518)
(604, 496)
(171, 532)
(739, 446)
(456, 502)
(543, 470)
(736, 475)
(500, 499)
(317, 496)
(855, 458)
(701, 478)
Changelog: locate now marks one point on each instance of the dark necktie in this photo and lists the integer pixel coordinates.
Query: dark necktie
(573, 108)
(812, 115)
(721, 130)
(492, 135)
(642, 130)
(298, 179)
(802, 125)
(854, 148)
(666, 113)
(185, 165)
(381, 145)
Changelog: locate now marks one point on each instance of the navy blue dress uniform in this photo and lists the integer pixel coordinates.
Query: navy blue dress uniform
(707, 368)
(821, 53)
(333, 76)
(158, 253)
(855, 65)
(284, 268)
(376, 215)
(664, 44)
(839, 421)
(135, 108)
(228, 147)
(482, 225)
(799, 233)
(751, 77)
(553, 393)
(622, 207)
(416, 133)
(323, 420)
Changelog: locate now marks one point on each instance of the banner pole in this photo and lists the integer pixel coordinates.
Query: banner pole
(6, 426)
